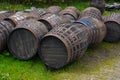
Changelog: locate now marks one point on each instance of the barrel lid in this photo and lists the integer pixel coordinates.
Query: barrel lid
(53, 51)
(22, 43)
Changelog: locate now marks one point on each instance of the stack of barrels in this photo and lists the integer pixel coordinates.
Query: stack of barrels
(23, 41)
(68, 42)
(58, 36)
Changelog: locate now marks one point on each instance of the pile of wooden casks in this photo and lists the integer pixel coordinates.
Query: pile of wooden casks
(58, 36)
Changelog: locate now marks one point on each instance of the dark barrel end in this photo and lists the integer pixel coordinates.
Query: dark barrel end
(112, 23)
(113, 31)
(53, 52)
(22, 44)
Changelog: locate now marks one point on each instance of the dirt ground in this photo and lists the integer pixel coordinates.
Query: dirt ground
(101, 62)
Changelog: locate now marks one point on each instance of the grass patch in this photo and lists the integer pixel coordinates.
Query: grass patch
(10, 6)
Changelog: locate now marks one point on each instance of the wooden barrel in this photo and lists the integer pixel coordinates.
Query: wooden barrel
(71, 12)
(7, 25)
(53, 9)
(112, 23)
(63, 45)
(5, 14)
(70, 17)
(53, 20)
(3, 37)
(100, 4)
(5, 29)
(92, 12)
(19, 17)
(97, 29)
(24, 39)
(38, 12)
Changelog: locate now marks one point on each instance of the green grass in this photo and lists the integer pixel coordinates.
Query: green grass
(94, 62)
(10, 6)
(98, 63)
